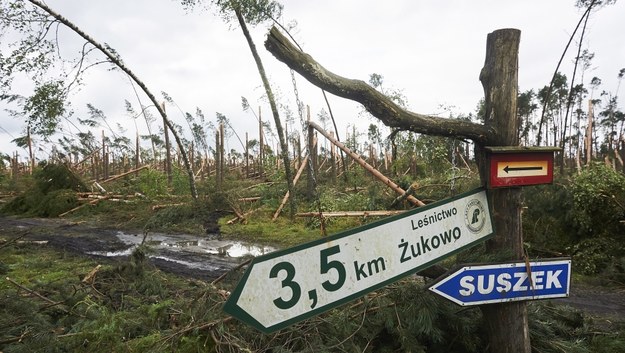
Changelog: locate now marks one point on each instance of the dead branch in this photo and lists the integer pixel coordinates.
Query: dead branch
(374, 101)
(403, 196)
(124, 174)
(83, 205)
(349, 214)
(218, 279)
(14, 240)
(90, 277)
(36, 294)
(238, 218)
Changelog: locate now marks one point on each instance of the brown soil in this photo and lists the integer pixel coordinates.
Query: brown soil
(104, 243)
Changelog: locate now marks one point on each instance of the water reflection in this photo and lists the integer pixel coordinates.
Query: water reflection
(187, 244)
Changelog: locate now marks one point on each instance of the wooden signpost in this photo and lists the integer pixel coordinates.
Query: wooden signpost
(506, 324)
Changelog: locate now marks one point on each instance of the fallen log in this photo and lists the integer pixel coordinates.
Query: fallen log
(83, 205)
(124, 174)
(249, 199)
(158, 207)
(240, 218)
(368, 167)
(349, 214)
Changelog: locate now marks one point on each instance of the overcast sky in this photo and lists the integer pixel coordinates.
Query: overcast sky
(431, 50)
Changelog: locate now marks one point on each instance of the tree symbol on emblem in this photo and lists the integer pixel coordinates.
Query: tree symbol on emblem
(475, 218)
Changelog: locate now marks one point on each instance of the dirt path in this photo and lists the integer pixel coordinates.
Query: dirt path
(206, 258)
(203, 258)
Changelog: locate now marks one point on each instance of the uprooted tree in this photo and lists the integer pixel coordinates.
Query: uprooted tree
(507, 324)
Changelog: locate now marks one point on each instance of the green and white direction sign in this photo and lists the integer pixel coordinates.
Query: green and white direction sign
(287, 286)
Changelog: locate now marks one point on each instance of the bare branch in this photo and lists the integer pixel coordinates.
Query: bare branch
(375, 102)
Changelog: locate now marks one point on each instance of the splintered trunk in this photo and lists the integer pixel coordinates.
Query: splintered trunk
(506, 323)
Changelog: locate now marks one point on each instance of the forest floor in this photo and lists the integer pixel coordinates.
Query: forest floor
(208, 257)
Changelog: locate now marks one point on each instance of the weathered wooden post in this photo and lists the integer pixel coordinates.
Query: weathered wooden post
(506, 323)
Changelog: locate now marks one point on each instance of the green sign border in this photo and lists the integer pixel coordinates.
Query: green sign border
(233, 309)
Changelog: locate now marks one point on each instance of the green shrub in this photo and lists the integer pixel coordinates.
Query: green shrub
(53, 177)
(56, 202)
(599, 201)
(548, 216)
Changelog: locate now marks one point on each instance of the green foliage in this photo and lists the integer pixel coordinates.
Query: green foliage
(253, 11)
(56, 177)
(592, 255)
(557, 329)
(599, 201)
(52, 192)
(185, 217)
(582, 218)
(153, 183)
(56, 202)
(45, 107)
(548, 220)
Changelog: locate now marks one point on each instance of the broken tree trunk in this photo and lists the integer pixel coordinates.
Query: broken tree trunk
(367, 166)
(349, 214)
(286, 196)
(124, 174)
(506, 323)
(374, 101)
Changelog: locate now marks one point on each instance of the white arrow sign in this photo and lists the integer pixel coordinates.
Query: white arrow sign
(287, 286)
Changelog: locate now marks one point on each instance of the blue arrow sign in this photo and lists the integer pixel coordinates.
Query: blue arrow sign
(497, 283)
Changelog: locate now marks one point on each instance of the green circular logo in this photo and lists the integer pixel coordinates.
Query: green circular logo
(475, 215)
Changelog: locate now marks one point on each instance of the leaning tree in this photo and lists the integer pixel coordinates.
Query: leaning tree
(36, 24)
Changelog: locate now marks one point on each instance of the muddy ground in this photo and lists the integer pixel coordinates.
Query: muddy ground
(205, 258)
(208, 257)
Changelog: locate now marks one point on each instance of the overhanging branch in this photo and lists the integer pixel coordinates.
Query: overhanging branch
(375, 102)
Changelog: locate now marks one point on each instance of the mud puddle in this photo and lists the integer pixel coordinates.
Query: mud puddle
(188, 250)
(203, 257)
(186, 243)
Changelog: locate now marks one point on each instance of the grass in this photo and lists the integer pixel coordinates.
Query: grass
(129, 306)
(133, 307)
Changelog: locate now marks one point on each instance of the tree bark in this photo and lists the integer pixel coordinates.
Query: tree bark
(118, 62)
(375, 102)
(506, 324)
